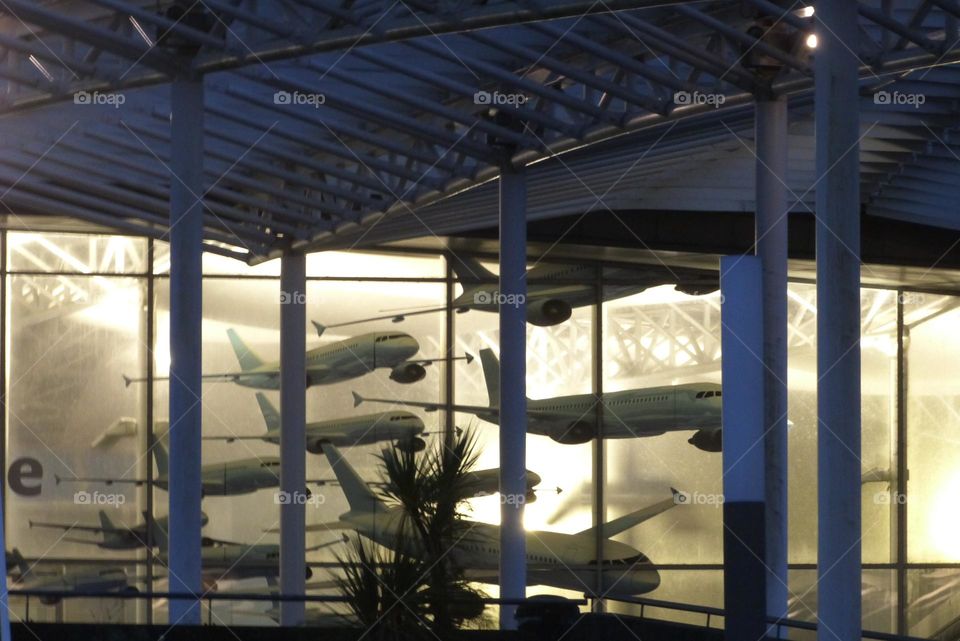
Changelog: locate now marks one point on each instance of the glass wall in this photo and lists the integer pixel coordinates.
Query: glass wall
(85, 352)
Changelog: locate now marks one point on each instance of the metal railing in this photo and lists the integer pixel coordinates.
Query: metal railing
(778, 624)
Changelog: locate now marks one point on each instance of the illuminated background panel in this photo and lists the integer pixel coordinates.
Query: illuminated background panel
(70, 337)
(662, 337)
(933, 424)
(558, 363)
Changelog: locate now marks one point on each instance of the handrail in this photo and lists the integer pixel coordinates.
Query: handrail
(778, 622)
(643, 602)
(245, 596)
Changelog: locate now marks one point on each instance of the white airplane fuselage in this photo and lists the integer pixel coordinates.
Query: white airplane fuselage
(628, 414)
(94, 579)
(236, 477)
(358, 430)
(566, 561)
(340, 361)
(238, 561)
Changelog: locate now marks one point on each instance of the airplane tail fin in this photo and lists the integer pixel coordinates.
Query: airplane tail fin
(158, 535)
(15, 558)
(491, 375)
(271, 417)
(358, 493)
(106, 523)
(160, 456)
(247, 359)
(627, 521)
(469, 270)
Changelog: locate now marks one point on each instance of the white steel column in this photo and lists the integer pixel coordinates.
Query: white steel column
(186, 322)
(838, 321)
(771, 234)
(293, 439)
(741, 336)
(513, 387)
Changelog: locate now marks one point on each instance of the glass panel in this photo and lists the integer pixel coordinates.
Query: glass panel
(933, 599)
(69, 418)
(933, 425)
(76, 253)
(878, 408)
(878, 600)
(558, 366)
(330, 264)
(214, 264)
(654, 341)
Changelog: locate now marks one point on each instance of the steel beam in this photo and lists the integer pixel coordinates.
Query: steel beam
(771, 248)
(186, 324)
(741, 335)
(513, 387)
(293, 439)
(838, 323)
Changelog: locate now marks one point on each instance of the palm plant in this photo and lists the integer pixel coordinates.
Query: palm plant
(420, 577)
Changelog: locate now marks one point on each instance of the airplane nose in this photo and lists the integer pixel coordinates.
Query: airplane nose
(410, 343)
(650, 580)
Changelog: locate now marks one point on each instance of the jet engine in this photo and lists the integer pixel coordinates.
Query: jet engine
(413, 444)
(308, 573)
(579, 432)
(707, 440)
(463, 604)
(696, 289)
(548, 312)
(408, 373)
(315, 446)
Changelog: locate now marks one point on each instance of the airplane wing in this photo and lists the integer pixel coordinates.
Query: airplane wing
(93, 479)
(67, 527)
(468, 409)
(430, 407)
(398, 317)
(230, 439)
(426, 361)
(627, 521)
(326, 527)
(343, 539)
(230, 377)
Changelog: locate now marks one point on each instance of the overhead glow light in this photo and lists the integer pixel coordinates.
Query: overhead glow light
(811, 41)
(39, 65)
(807, 12)
(141, 31)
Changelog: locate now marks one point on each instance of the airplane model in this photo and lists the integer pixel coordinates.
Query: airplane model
(404, 428)
(113, 537)
(631, 413)
(66, 579)
(232, 478)
(551, 303)
(227, 560)
(554, 559)
(487, 482)
(332, 363)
